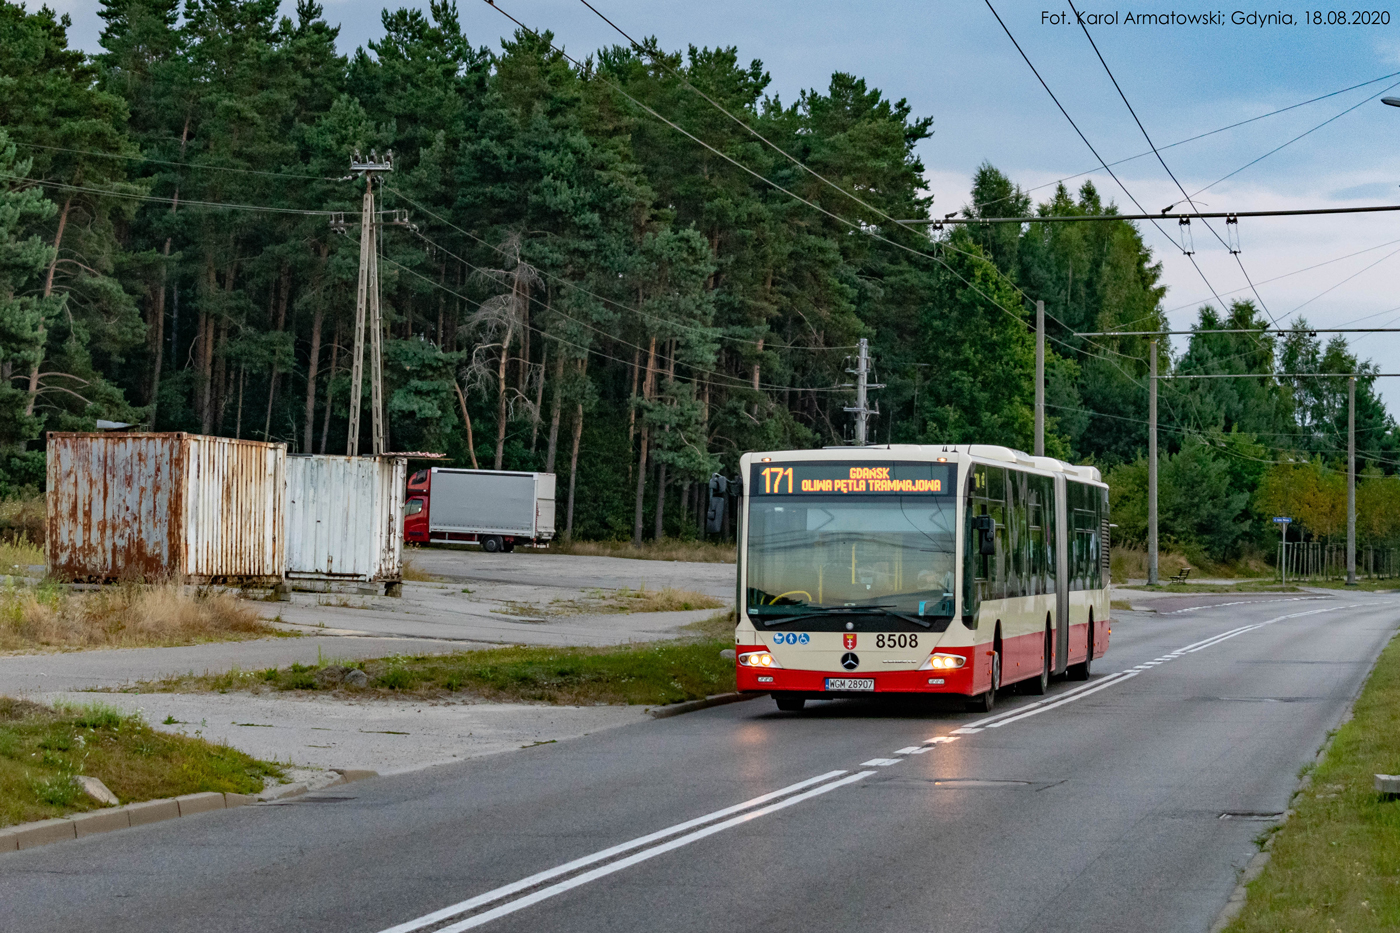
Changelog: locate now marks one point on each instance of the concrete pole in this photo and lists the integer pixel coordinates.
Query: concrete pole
(1152, 463)
(1040, 378)
(1351, 481)
(376, 352)
(862, 371)
(357, 366)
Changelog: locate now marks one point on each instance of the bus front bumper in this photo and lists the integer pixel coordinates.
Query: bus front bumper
(812, 683)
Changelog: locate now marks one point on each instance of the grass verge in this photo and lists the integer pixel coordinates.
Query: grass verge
(1335, 864)
(1244, 586)
(122, 616)
(666, 549)
(43, 748)
(666, 599)
(653, 673)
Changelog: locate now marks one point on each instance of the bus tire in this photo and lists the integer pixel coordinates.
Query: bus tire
(1037, 686)
(790, 703)
(986, 702)
(1082, 671)
(491, 544)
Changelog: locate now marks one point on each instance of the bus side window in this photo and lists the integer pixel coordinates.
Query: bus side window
(975, 565)
(996, 507)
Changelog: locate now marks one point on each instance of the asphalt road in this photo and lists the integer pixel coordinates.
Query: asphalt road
(1127, 803)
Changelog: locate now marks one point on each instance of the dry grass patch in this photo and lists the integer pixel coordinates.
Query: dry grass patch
(1335, 864)
(122, 616)
(666, 549)
(415, 574)
(42, 749)
(601, 601)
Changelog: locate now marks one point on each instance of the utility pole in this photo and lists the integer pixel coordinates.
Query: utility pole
(1040, 378)
(1152, 463)
(367, 305)
(1351, 481)
(862, 410)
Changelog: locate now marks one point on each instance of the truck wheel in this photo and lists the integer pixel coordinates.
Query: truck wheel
(492, 544)
(508, 546)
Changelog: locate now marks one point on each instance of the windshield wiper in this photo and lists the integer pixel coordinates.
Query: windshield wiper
(844, 611)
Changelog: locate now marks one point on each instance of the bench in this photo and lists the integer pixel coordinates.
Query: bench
(1181, 577)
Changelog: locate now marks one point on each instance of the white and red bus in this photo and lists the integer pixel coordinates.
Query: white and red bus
(918, 569)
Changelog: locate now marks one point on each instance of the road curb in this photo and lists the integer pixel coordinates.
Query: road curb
(719, 699)
(80, 825)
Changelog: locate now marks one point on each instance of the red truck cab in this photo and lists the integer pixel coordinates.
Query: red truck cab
(415, 507)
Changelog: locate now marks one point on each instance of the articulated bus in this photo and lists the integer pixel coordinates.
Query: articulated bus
(918, 569)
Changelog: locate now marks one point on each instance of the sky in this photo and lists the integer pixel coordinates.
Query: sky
(953, 62)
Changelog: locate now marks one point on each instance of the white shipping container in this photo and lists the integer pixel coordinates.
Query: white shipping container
(345, 518)
(183, 507)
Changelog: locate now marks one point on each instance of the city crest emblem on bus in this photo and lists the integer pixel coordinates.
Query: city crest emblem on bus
(849, 640)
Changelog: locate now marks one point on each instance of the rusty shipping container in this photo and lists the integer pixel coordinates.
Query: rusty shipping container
(182, 507)
(345, 518)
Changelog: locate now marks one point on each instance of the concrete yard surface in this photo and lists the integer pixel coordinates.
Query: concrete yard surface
(387, 736)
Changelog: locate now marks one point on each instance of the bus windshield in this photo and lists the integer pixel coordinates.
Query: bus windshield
(832, 556)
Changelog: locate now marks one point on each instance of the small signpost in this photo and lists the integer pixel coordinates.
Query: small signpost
(1282, 522)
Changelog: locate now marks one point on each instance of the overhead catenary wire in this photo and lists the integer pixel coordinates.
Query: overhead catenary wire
(1077, 130)
(810, 171)
(1191, 139)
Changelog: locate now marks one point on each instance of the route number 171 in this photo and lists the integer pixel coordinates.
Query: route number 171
(773, 477)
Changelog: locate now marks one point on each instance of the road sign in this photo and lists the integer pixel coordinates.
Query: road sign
(1281, 520)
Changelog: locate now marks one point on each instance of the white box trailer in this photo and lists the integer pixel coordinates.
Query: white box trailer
(345, 519)
(496, 508)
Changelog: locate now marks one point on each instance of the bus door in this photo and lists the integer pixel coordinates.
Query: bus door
(1062, 516)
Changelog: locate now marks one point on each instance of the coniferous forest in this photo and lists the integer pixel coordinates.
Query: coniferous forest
(626, 270)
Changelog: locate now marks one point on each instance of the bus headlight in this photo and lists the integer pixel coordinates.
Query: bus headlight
(759, 659)
(941, 661)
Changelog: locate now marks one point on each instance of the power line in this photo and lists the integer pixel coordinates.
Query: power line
(194, 165)
(629, 309)
(1191, 215)
(111, 193)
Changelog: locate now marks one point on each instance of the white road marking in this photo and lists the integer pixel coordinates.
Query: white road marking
(913, 750)
(1243, 602)
(539, 878)
(1115, 679)
(940, 739)
(605, 870)
(880, 762)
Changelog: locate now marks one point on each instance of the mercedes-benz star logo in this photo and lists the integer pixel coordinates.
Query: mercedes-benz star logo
(849, 661)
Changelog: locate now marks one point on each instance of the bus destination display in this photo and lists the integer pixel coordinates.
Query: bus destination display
(845, 478)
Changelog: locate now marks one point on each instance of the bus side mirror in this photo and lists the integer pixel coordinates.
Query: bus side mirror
(985, 527)
(719, 497)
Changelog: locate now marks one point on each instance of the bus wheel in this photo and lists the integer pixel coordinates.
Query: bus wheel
(986, 702)
(1081, 671)
(1038, 685)
(491, 544)
(790, 703)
